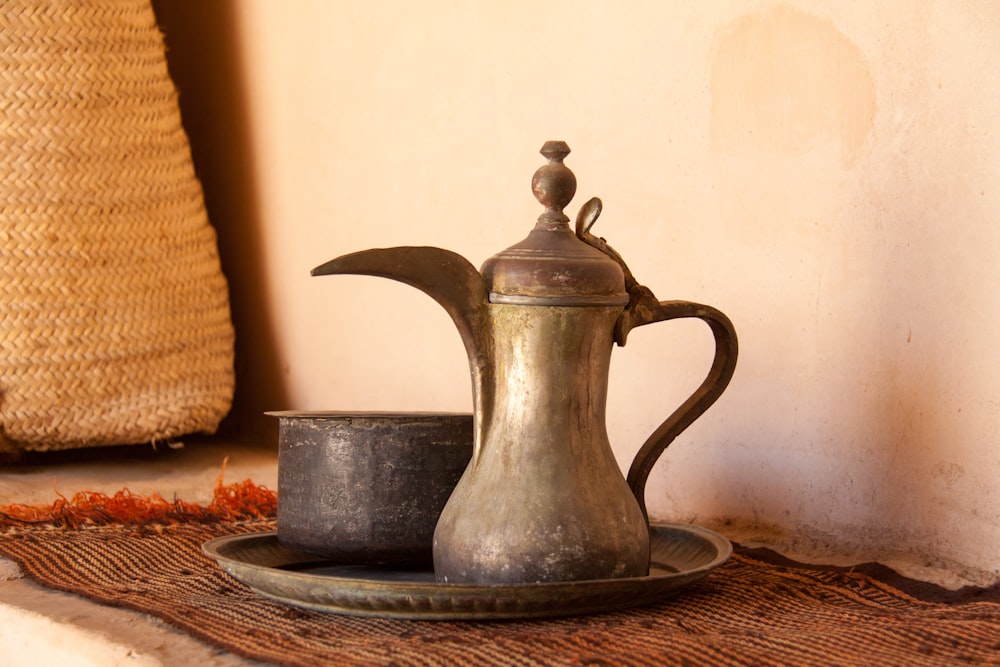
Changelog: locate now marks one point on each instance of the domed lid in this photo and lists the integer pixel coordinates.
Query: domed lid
(551, 266)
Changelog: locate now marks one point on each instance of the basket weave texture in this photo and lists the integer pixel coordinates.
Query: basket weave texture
(114, 313)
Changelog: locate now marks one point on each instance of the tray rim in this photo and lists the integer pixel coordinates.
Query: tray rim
(405, 599)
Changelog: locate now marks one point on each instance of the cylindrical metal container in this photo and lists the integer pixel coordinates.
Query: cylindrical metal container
(367, 487)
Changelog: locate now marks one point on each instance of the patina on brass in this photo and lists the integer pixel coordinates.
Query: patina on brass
(680, 555)
(543, 499)
(367, 486)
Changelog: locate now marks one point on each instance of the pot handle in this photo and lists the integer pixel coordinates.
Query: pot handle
(643, 308)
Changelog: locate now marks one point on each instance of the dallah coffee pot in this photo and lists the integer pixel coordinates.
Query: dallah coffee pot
(542, 498)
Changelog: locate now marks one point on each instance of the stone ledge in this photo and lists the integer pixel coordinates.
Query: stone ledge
(39, 626)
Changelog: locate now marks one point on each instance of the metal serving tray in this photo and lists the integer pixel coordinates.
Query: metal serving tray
(680, 555)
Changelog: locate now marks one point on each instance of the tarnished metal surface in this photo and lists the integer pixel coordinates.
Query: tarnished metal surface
(543, 499)
(367, 486)
(681, 555)
(551, 266)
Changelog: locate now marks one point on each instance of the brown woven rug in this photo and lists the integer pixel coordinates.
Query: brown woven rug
(755, 610)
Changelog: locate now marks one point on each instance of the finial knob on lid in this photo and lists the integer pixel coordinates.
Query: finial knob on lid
(554, 184)
(551, 266)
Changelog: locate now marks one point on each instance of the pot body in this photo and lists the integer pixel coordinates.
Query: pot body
(544, 498)
(367, 487)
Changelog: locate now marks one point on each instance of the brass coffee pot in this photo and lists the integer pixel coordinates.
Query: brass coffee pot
(543, 498)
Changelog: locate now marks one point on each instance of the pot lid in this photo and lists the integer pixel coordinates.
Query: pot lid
(551, 266)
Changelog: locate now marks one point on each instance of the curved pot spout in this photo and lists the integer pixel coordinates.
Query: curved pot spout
(454, 283)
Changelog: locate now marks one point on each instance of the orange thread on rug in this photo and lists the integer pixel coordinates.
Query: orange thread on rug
(230, 502)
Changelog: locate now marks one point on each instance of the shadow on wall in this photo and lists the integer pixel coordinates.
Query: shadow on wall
(203, 53)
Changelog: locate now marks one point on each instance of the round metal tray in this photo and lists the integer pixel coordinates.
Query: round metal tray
(680, 555)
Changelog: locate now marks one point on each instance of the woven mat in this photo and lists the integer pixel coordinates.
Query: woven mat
(756, 609)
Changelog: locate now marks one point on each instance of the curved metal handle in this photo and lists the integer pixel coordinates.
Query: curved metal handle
(726, 350)
(643, 308)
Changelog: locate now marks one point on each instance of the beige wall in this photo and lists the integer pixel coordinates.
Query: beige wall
(826, 173)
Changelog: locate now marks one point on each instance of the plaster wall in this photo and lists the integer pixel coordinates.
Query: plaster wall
(826, 173)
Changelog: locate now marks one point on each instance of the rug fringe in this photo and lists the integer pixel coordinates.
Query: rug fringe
(239, 501)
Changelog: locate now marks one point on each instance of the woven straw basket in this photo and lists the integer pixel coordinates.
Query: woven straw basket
(114, 313)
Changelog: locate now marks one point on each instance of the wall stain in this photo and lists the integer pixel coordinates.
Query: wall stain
(784, 81)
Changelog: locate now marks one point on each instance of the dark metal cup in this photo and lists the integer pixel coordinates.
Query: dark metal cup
(367, 487)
